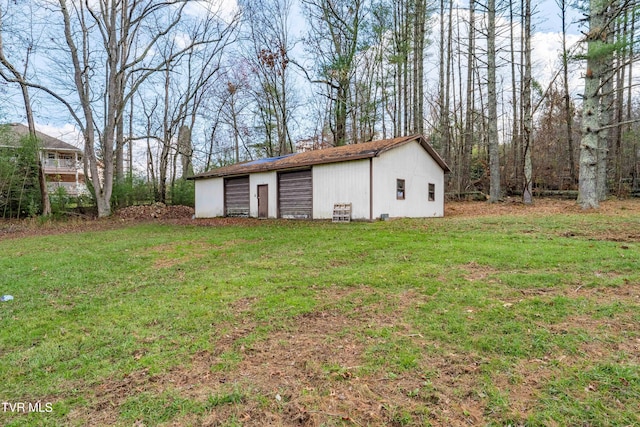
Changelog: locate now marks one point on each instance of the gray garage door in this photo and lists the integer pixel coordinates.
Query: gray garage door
(236, 196)
(295, 195)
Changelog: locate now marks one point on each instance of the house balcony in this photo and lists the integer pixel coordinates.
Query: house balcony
(52, 166)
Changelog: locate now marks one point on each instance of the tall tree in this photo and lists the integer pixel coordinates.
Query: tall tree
(270, 43)
(527, 121)
(443, 119)
(418, 65)
(588, 195)
(494, 145)
(10, 73)
(598, 101)
(118, 24)
(467, 140)
(333, 39)
(515, 96)
(567, 94)
(111, 48)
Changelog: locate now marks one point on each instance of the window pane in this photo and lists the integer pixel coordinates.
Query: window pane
(400, 193)
(432, 192)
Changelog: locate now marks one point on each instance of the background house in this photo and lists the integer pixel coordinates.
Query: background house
(401, 177)
(62, 162)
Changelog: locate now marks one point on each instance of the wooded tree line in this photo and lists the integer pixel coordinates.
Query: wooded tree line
(159, 89)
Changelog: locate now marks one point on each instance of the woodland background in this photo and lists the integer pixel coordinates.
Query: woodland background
(159, 90)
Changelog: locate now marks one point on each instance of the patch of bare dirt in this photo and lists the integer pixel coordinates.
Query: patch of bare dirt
(540, 206)
(307, 372)
(622, 231)
(14, 228)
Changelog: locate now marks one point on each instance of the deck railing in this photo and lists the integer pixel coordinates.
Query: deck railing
(71, 188)
(61, 164)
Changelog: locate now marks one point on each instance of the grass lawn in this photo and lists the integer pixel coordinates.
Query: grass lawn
(512, 319)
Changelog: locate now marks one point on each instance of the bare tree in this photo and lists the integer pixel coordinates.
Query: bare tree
(567, 95)
(467, 141)
(333, 38)
(494, 146)
(11, 74)
(527, 120)
(268, 53)
(111, 47)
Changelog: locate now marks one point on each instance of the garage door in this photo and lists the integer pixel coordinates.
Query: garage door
(236, 196)
(295, 195)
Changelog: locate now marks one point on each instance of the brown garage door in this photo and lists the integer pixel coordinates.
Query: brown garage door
(236, 196)
(295, 195)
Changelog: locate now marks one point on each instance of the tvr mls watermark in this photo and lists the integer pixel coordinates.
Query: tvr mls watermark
(27, 407)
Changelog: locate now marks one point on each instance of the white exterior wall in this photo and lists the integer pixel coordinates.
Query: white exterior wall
(412, 163)
(349, 182)
(345, 182)
(209, 197)
(270, 179)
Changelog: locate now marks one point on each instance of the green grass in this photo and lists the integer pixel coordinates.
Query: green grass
(488, 297)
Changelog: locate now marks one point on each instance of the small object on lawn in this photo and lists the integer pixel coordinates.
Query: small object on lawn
(6, 298)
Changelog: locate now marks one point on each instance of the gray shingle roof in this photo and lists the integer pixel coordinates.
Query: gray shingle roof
(15, 131)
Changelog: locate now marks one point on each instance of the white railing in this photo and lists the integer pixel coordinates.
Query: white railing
(71, 188)
(61, 164)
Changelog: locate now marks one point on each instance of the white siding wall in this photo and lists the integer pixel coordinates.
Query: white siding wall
(413, 164)
(346, 182)
(209, 197)
(270, 179)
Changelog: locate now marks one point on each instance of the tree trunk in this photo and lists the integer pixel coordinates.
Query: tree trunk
(515, 125)
(20, 78)
(186, 150)
(527, 195)
(421, 22)
(494, 148)
(120, 151)
(441, 87)
(606, 104)
(622, 34)
(342, 94)
(467, 140)
(588, 187)
(567, 95)
(163, 167)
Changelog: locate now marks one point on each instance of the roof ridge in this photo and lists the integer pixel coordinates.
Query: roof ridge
(310, 158)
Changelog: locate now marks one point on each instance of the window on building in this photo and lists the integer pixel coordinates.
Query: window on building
(51, 156)
(400, 192)
(432, 192)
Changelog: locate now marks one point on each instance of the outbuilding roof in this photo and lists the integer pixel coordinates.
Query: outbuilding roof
(17, 131)
(317, 157)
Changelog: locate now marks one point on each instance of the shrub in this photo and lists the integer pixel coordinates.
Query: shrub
(131, 191)
(19, 186)
(183, 192)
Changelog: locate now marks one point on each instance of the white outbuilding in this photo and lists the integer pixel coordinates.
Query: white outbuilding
(400, 177)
